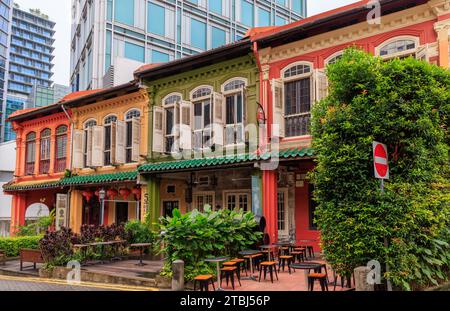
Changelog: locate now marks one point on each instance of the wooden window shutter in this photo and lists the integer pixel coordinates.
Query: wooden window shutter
(278, 105)
(321, 84)
(185, 126)
(135, 139)
(120, 141)
(158, 129)
(78, 146)
(97, 146)
(89, 137)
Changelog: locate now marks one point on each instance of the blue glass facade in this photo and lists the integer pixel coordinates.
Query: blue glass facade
(165, 30)
(5, 23)
(30, 60)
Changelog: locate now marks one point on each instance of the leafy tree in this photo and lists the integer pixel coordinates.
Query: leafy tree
(404, 103)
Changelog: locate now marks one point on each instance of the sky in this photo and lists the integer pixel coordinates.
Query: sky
(59, 12)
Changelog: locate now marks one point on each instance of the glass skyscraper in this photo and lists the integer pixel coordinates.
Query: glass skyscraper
(5, 30)
(30, 60)
(104, 32)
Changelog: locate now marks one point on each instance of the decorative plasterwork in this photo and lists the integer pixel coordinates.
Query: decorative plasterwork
(348, 34)
(138, 98)
(439, 7)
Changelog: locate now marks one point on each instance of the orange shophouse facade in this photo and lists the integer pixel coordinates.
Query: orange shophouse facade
(293, 60)
(43, 155)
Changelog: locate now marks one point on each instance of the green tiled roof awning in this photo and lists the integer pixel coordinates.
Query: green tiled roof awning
(31, 185)
(234, 160)
(99, 178)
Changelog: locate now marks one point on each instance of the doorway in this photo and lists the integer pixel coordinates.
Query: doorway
(168, 207)
(91, 212)
(121, 213)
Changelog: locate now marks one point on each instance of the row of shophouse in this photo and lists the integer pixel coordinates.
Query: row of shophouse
(216, 109)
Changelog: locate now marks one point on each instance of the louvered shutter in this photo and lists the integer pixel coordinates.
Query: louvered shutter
(158, 129)
(278, 105)
(185, 126)
(120, 141)
(135, 139)
(113, 141)
(321, 81)
(88, 138)
(423, 53)
(78, 146)
(97, 146)
(218, 118)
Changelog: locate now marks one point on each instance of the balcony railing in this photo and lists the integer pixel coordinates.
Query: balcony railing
(44, 166)
(60, 165)
(29, 168)
(297, 125)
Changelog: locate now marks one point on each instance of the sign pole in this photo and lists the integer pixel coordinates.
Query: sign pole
(386, 242)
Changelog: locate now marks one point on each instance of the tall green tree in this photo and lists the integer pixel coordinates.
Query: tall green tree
(405, 104)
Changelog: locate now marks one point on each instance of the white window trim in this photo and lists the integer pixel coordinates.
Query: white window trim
(235, 124)
(245, 80)
(334, 55)
(203, 193)
(399, 54)
(87, 121)
(226, 193)
(309, 75)
(130, 110)
(203, 97)
(166, 107)
(108, 116)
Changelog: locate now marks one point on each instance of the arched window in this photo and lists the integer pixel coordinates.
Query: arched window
(107, 124)
(132, 119)
(61, 149)
(30, 153)
(334, 58)
(87, 138)
(203, 115)
(234, 92)
(401, 48)
(44, 163)
(297, 99)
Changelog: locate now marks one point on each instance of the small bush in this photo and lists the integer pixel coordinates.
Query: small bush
(139, 232)
(12, 245)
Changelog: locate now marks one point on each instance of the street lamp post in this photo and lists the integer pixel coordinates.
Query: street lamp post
(102, 195)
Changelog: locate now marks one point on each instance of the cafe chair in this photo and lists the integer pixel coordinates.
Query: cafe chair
(203, 281)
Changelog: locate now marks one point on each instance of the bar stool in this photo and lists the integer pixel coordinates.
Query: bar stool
(204, 281)
(289, 259)
(321, 277)
(272, 266)
(228, 273)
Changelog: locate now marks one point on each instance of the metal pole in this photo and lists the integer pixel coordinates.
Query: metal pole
(386, 243)
(102, 212)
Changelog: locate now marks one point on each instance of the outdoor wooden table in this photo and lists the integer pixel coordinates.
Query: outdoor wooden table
(268, 248)
(102, 247)
(250, 253)
(116, 245)
(218, 260)
(141, 247)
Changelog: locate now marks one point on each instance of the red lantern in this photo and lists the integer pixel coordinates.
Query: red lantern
(137, 192)
(111, 193)
(124, 192)
(88, 194)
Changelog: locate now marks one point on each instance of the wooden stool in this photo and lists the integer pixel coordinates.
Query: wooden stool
(321, 277)
(310, 251)
(204, 281)
(283, 260)
(256, 259)
(228, 273)
(298, 255)
(282, 251)
(272, 265)
(241, 265)
(301, 249)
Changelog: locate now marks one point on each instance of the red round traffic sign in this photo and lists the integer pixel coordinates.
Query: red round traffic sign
(381, 160)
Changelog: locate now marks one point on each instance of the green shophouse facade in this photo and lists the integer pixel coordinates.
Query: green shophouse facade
(200, 107)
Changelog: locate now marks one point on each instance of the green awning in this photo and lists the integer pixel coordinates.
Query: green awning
(234, 160)
(99, 178)
(31, 185)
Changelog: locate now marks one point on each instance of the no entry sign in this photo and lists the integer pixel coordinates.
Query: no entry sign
(380, 160)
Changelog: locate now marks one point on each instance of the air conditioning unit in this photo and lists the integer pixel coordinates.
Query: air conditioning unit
(202, 181)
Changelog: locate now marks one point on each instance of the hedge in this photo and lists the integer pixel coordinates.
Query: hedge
(12, 245)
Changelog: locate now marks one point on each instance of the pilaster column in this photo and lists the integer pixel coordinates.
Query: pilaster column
(52, 153)
(270, 204)
(37, 157)
(442, 29)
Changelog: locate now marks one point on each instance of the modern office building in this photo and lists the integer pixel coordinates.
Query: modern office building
(7, 166)
(111, 38)
(30, 61)
(5, 30)
(41, 96)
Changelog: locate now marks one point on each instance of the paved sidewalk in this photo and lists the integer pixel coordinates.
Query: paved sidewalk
(8, 283)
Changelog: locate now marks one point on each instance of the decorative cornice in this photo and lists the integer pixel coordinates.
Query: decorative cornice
(348, 34)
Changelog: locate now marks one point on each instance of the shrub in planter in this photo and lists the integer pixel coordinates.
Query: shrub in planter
(195, 236)
(12, 245)
(138, 232)
(56, 247)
